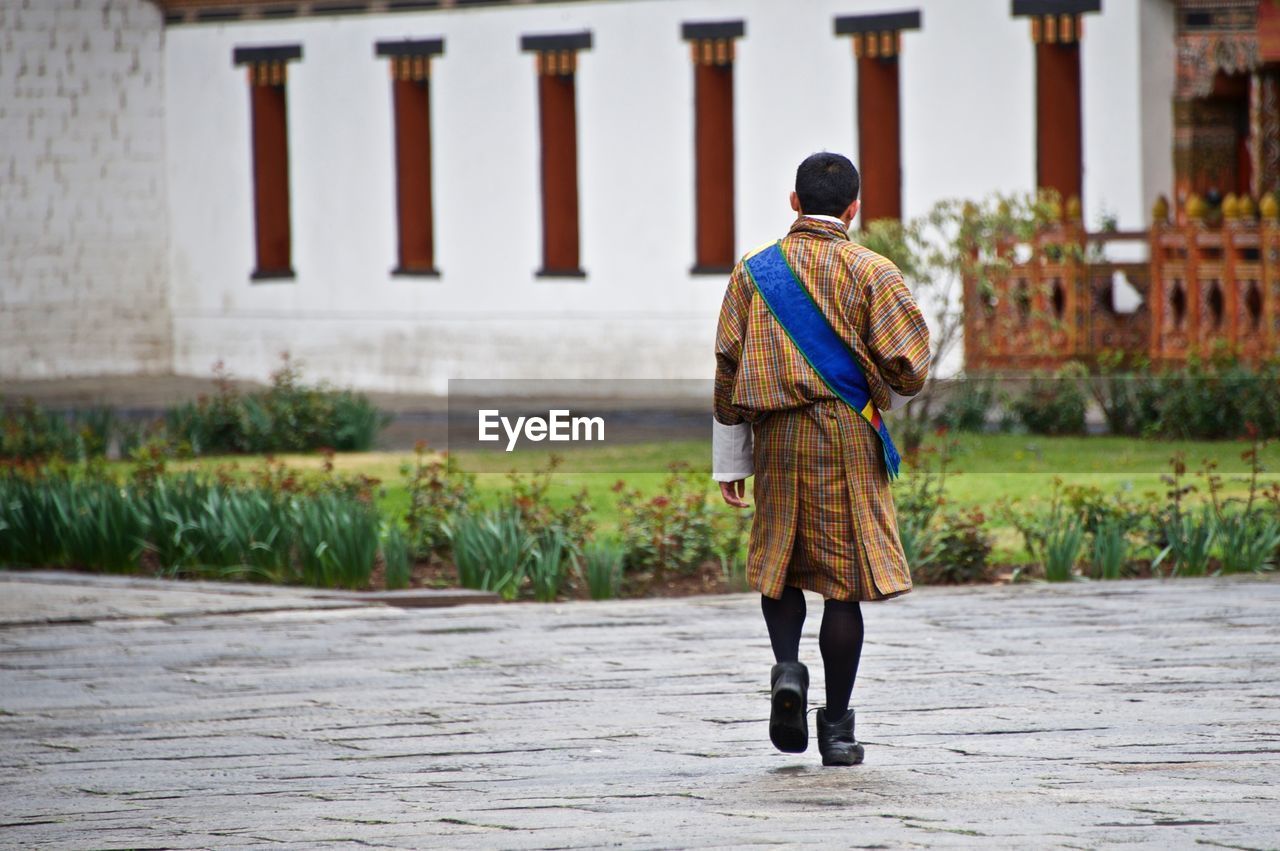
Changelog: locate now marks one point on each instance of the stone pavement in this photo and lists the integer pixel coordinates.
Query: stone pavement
(1080, 716)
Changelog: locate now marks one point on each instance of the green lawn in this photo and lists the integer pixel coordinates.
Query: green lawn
(984, 468)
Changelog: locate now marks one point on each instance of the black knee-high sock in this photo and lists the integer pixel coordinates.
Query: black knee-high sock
(840, 640)
(785, 619)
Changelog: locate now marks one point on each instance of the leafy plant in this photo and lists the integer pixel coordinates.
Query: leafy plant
(963, 548)
(337, 540)
(1247, 543)
(1054, 405)
(546, 564)
(289, 416)
(599, 566)
(530, 496)
(438, 490)
(671, 530)
(1189, 538)
(919, 497)
(1110, 550)
(396, 559)
(968, 401)
(1063, 543)
(490, 551)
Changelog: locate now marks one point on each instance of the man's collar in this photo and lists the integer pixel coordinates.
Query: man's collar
(825, 226)
(835, 220)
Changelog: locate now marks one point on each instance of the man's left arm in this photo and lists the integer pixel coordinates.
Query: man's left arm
(898, 337)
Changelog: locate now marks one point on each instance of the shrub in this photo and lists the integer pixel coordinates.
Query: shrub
(1219, 399)
(438, 490)
(1130, 402)
(918, 497)
(967, 404)
(672, 530)
(530, 496)
(288, 416)
(1054, 405)
(963, 547)
(28, 432)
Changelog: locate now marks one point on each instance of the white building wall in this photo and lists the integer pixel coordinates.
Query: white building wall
(1159, 77)
(1111, 95)
(83, 220)
(968, 130)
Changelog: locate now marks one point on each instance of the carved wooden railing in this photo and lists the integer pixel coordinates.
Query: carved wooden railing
(1204, 285)
(1217, 281)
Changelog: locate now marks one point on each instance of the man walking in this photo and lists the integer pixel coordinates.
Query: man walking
(817, 335)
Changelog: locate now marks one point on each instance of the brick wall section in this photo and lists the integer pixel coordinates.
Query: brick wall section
(83, 211)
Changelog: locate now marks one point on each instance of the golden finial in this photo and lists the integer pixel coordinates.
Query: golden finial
(1230, 207)
(1247, 210)
(1196, 208)
(1270, 207)
(1160, 210)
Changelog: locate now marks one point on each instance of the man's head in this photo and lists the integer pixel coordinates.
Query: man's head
(827, 185)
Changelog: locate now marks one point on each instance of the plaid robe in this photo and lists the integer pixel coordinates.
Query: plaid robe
(824, 517)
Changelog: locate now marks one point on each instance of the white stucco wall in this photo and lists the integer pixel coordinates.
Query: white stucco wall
(968, 130)
(1159, 78)
(83, 218)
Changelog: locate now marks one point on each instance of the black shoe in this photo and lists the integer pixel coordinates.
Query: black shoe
(788, 725)
(836, 742)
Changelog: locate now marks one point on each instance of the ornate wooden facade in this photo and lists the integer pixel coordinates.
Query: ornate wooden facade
(1212, 279)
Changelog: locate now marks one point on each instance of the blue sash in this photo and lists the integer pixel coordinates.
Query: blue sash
(830, 356)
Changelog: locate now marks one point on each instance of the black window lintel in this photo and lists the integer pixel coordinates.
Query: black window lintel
(712, 30)
(892, 21)
(272, 53)
(1030, 8)
(410, 47)
(556, 41)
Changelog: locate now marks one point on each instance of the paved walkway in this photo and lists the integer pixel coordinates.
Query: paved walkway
(1134, 713)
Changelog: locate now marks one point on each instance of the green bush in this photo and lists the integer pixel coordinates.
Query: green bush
(1054, 405)
(968, 402)
(1218, 400)
(287, 417)
(30, 433)
(962, 551)
(438, 490)
(671, 530)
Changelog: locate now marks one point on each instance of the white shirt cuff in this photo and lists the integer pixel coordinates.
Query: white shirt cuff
(731, 447)
(897, 400)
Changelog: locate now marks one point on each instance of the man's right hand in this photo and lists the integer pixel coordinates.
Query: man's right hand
(733, 493)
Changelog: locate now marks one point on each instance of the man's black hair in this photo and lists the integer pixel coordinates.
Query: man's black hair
(827, 184)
